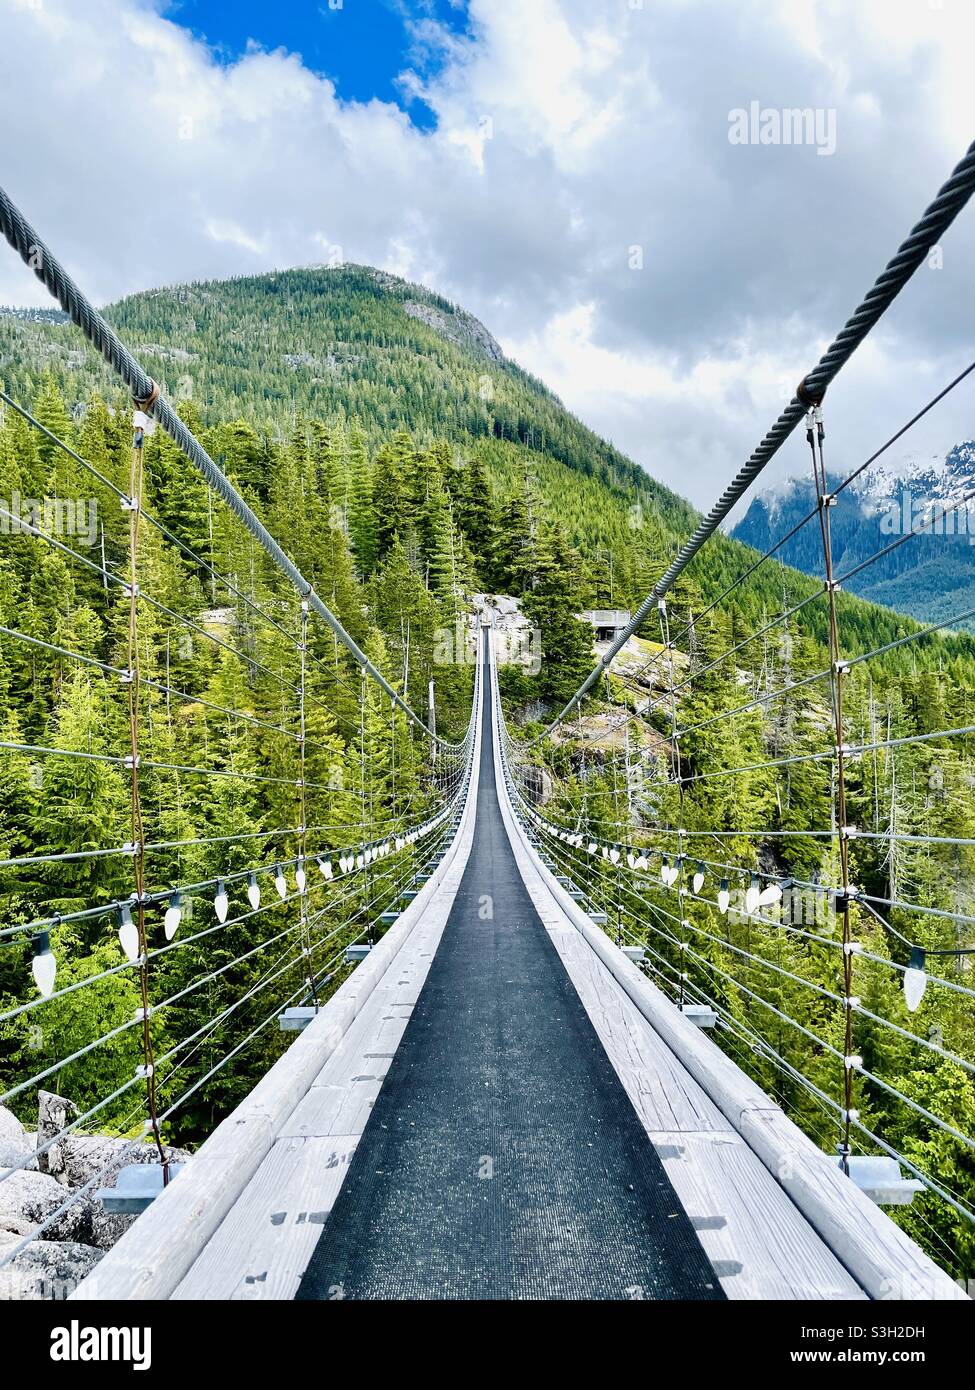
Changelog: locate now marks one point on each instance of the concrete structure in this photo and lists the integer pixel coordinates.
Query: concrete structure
(606, 623)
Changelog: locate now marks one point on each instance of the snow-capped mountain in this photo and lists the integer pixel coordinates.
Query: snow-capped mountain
(931, 576)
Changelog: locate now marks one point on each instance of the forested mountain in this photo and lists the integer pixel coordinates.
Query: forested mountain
(366, 354)
(933, 579)
(347, 344)
(403, 463)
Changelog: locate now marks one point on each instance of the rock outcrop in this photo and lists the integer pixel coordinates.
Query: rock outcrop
(45, 1269)
(35, 1186)
(17, 1146)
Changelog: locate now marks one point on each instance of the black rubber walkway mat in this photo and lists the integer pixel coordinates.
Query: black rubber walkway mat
(503, 1159)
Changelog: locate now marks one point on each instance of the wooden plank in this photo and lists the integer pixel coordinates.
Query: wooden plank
(747, 1224)
(661, 1090)
(345, 1090)
(265, 1242)
(883, 1258)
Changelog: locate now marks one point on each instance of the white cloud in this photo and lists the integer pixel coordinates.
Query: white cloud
(229, 232)
(569, 131)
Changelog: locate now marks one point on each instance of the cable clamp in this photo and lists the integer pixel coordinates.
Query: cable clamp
(827, 499)
(852, 948)
(809, 398)
(832, 586)
(848, 832)
(129, 504)
(126, 677)
(841, 667)
(131, 847)
(852, 1001)
(853, 1063)
(814, 427)
(145, 403)
(131, 761)
(145, 1071)
(131, 590)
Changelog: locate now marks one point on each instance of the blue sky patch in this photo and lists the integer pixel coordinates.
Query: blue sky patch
(361, 45)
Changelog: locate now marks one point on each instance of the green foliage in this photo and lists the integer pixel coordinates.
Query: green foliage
(403, 463)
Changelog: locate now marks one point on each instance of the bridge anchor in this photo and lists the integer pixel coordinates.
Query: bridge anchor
(880, 1178)
(296, 1019)
(137, 1186)
(702, 1015)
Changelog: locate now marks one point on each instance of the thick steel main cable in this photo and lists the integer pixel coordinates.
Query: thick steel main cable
(938, 217)
(633, 679)
(215, 575)
(793, 531)
(37, 257)
(147, 516)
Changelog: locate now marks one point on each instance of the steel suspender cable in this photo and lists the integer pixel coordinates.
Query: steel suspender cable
(45, 265)
(138, 834)
(815, 435)
(783, 540)
(215, 575)
(147, 516)
(303, 809)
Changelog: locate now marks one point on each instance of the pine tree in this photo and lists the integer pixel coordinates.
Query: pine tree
(362, 511)
(476, 517)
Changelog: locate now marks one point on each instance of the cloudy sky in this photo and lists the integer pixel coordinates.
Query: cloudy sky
(563, 168)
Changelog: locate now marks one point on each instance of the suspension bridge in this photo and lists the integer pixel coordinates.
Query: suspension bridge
(513, 1093)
